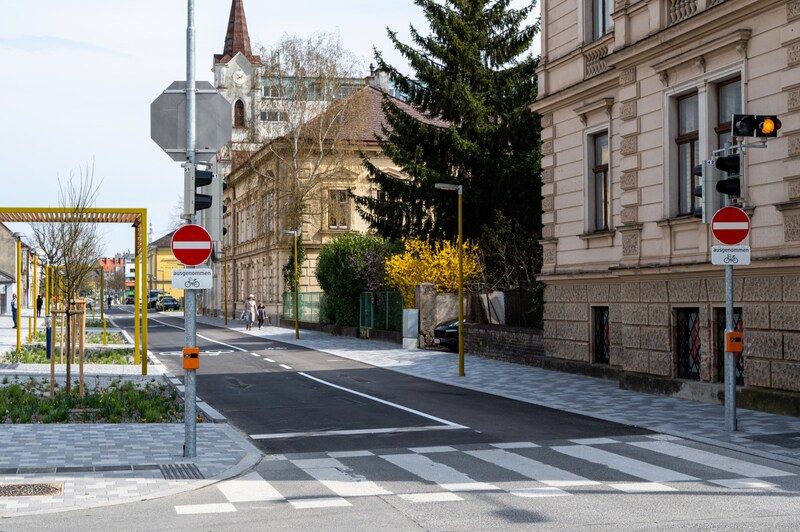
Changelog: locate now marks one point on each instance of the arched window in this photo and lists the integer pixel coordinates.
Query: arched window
(238, 114)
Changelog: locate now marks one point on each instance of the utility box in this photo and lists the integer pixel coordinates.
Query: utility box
(191, 358)
(410, 328)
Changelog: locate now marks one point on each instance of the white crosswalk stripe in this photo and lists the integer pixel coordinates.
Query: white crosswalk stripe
(526, 470)
(715, 460)
(630, 466)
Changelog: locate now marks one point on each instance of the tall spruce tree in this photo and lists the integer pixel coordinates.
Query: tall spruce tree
(467, 122)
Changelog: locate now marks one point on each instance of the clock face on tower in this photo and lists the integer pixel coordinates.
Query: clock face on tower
(238, 77)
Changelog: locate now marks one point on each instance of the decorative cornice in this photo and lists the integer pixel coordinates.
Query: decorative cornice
(603, 103)
(738, 38)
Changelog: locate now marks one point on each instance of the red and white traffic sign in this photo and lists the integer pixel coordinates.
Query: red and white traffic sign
(191, 245)
(730, 225)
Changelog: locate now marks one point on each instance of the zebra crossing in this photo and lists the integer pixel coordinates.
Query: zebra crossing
(421, 475)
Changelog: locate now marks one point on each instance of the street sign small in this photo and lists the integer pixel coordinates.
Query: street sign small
(730, 225)
(192, 278)
(191, 244)
(733, 255)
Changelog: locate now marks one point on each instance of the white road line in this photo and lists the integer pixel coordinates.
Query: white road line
(249, 488)
(717, 461)
(395, 405)
(743, 483)
(199, 335)
(431, 497)
(429, 450)
(641, 487)
(256, 355)
(445, 476)
(269, 360)
(284, 366)
(539, 492)
(533, 469)
(627, 465)
(339, 478)
(351, 432)
(515, 445)
(350, 454)
(321, 502)
(192, 509)
(594, 441)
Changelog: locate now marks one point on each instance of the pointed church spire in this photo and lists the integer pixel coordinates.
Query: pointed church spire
(237, 39)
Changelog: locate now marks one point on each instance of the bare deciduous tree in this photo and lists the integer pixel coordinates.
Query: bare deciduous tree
(315, 93)
(72, 244)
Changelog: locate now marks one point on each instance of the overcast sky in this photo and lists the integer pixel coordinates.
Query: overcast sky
(79, 77)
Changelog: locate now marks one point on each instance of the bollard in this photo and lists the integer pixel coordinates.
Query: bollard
(105, 340)
(48, 337)
(30, 329)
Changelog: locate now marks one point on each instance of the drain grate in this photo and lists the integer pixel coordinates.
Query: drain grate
(24, 490)
(180, 471)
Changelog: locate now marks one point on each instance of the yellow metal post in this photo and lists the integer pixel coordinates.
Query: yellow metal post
(136, 304)
(35, 292)
(19, 293)
(143, 236)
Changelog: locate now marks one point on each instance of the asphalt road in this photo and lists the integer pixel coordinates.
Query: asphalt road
(352, 447)
(293, 400)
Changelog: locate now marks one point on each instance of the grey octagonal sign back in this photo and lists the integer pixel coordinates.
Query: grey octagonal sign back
(213, 122)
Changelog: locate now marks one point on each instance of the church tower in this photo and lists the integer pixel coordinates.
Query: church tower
(237, 76)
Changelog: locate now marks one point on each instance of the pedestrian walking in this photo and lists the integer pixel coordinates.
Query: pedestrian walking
(250, 312)
(14, 310)
(39, 303)
(261, 311)
(108, 299)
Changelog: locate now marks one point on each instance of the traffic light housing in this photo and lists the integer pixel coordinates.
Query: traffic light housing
(698, 190)
(732, 165)
(195, 178)
(761, 126)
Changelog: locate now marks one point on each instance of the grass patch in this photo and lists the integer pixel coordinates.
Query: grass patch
(120, 402)
(37, 354)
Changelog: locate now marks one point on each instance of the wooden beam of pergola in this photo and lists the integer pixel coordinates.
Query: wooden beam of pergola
(138, 220)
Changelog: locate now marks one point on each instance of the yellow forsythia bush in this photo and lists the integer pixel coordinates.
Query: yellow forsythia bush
(426, 262)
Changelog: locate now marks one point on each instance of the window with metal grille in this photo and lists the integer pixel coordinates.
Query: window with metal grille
(738, 325)
(687, 342)
(602, 340)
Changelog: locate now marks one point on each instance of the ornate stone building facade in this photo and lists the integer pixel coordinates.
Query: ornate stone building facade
(633, 94)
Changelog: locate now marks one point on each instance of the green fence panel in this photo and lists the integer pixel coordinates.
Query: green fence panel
(381, 310)
(309, 306)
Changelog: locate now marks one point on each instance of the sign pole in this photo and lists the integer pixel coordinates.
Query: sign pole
(730, 363)
(190, 317)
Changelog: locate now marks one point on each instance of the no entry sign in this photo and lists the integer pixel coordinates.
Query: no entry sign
(730, 225)
(191, 245)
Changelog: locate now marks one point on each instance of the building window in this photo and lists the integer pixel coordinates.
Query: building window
(338, 209)
(602, 340)
(271, 210)
(238, 114)
(274, 116)
(272, 92)
(601, 18)
(688, 152)
(599, 182)
(687, 342)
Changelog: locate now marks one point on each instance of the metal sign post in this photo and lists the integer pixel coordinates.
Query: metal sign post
(730, 226)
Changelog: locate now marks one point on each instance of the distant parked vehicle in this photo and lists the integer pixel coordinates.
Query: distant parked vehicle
(446, 334)
(167, 303)
(129, 300)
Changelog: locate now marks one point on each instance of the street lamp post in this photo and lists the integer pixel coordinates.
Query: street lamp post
(459, 189)
(295, 234)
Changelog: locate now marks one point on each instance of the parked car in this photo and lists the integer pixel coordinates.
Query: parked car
(446, 334)
(168, 303)
(129, 300)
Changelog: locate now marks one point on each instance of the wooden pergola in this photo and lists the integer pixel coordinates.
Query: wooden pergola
(138, 220)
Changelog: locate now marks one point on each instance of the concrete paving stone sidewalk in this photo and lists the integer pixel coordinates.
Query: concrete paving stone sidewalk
(106, 464)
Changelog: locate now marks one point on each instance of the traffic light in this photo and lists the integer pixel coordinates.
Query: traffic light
(698, 190)
(731, 164)
(195, 178)
(762, 126)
